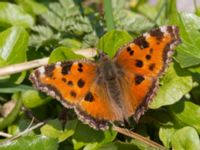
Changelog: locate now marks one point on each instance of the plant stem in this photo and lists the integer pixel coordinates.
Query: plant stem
(195, 5)
(17, 68)
(139, 137)
(108, 14)
(160, 11)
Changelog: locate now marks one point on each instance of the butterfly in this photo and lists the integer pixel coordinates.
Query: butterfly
(111, 89)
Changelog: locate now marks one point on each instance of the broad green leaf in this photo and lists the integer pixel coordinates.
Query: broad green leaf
(187, 112)
(71, 43)
(4, 122)
(12, 88)
(188, 53)
(175, 84)
(186, 139)
(165, 134)
(2, 62)
(32, 6)
(63, 54)
(33, 98)
(163, 119)
(94, 138)
(141, 145)
(31, 142)
(13, 45)
(119, 146)
(11, 14)
(112, 41)
(53, 129)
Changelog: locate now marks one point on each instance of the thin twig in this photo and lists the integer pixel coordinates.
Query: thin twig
(22, 133)
(139, 137)
(3, 134)
(17, 68)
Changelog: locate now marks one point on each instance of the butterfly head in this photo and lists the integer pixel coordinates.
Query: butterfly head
(102, 56)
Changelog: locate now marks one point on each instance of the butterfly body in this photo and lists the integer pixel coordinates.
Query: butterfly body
(111, 89)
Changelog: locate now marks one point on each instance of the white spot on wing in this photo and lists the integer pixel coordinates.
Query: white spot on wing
(58, 64)
(146, 35)
(163, 29)
(41, 70)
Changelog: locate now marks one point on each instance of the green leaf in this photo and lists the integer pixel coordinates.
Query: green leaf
(175, 84)
(62, 54)
(186, 139)
(13, 41)
(32, 6)
(112, 41)
(188, 53)
(187, 113)
(53, 129)
(166, 134)
(12, 88)
(71, 43)
(94, 138)
(21, 124)
(4, 122)
(33, 98)
(31, 142)
(119, 146)
(152, 10)
(11, 14)
(129, 20)
(2, 62)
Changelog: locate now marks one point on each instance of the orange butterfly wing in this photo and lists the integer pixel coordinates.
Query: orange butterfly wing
(76, 85)
(73, 84)
(146, 58)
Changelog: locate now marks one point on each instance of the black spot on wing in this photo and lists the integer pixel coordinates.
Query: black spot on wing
(139, 63)
(80, 83)
(141, 42)
(66, 67)
(139, 79)
(80, 65)
(70, 83)
(152, 66)
(49, 70)
(157, 33)
(73, 94)
(64, 80)
(130, 51)
(151, 50)
(89, 97)
(148, 57)
(80, 69)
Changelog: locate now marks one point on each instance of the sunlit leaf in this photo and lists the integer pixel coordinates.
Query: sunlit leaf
(112, 41)
(175, 84)
(11, 14)
(186, 138)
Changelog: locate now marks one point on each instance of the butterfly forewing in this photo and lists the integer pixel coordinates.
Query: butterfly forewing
(144, 61)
